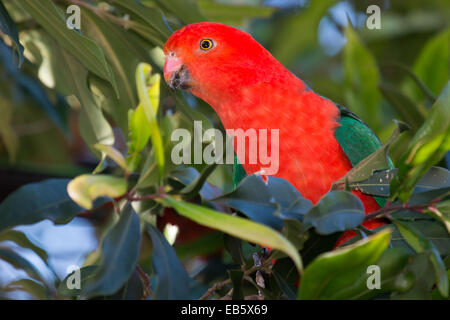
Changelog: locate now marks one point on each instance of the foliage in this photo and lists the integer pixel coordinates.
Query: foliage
(100, 87)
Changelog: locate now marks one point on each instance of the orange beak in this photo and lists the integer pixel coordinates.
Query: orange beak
(176, 73)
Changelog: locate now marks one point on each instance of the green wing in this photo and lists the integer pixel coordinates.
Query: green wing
(356, 139)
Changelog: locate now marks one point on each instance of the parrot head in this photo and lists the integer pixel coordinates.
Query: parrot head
(214, 61)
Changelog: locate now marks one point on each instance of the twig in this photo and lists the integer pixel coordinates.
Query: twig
(220, 285)
(387, 209)
(145, 282)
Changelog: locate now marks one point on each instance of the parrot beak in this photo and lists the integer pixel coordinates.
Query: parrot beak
(176, 74)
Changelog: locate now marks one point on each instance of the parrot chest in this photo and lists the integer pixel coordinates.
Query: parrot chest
(306, 152)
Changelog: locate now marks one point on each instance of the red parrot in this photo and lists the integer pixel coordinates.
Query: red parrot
(319, 141)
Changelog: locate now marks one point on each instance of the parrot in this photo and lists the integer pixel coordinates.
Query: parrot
(319, 140)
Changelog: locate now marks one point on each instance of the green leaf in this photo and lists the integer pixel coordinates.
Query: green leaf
(20, 262)
(35, 202)
(8, 27)
(378, 160)
(151, 16)
(86, 188)
(61, 70)
(417, 272)
(284, 47)
(391, 264)
(379, 183)
(336, 211)
(85, 274)
(124, 52)
(186, 10)
(33, 287)
(427, 147)
(192, 189)
(85, 50)
(362, 78)
(139, 134)
(234, 247)
(266, 203)
(421, 244)
(233, 14)
(148, 87)
(113, 153)
(9, 137)
(332, 271)
(235, 226)
(409, 111)
(173, 280)
(432, 65)
(237, 277)
(120, 254)
(22, 240)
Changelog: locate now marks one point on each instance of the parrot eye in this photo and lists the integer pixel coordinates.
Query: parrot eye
(206, 44)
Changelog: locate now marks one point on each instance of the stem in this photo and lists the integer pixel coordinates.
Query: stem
(386, 210)
(145, 282)
(220, 285)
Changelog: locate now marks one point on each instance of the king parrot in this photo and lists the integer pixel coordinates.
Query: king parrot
(319, 141)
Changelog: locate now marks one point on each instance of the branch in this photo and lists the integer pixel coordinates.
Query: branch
(145, 282)
(220, 285)
(388, 208)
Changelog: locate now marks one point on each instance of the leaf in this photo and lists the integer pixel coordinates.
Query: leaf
(432, 64)
(378, 160)
(120, 254)
(421, 244)
(86, 50)
(429, 229)
(189, 176)
(427, 147)
(124, 52)
(334, 270)
(286, 49)
(285, 286)
(192, 189)
(336, 211)
(85, 274)
(69, 77)
(21, 239)
(94, 128)
(148, 92)
(113, 153)
(379, 183)
(35, 202)
(409, 111)
(418, 272)
(9, 137)
(28, 86)
(20, 262)
(235, 226)
(186, 10)
(391, 263)
(173, 280)
(86, 188)
(8, 27)
(139, 134)
(234, 247)
(233, 14)
(237, 277)
(266, 203)
(33, 287)
(362, 78)
(152, 17)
